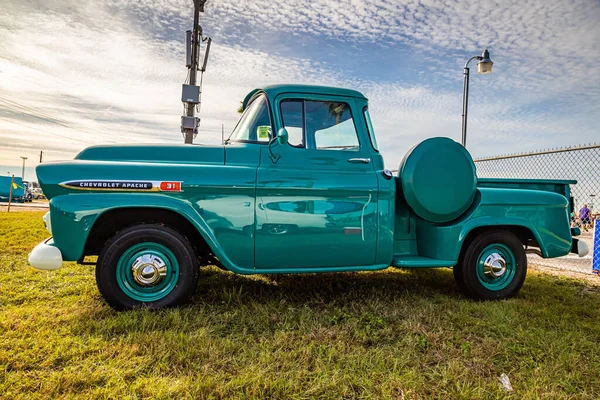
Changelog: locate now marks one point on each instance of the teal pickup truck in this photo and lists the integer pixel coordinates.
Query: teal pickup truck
(299, 187)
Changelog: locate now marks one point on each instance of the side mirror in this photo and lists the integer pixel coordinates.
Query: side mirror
(281, 138)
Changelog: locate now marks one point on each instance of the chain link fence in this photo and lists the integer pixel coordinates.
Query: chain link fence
(581, 163)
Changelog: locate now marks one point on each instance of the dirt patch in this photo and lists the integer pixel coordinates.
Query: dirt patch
(21, 208)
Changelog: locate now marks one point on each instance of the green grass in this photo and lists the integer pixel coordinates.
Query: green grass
(390, 334)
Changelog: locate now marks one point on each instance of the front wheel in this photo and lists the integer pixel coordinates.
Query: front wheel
(147, 265)
(493, 266)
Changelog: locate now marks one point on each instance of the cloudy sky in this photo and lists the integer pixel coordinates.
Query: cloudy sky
(76, 73)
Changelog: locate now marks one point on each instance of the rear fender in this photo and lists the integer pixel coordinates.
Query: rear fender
(544, 214)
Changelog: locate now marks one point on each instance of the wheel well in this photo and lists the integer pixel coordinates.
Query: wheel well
(524, 234)
(115, 220)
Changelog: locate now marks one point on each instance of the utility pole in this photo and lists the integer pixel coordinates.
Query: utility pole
(23, 170)
(190, 123)
(12, 182)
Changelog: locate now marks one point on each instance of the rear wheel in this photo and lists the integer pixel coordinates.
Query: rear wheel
(493, 266)
(147, 265)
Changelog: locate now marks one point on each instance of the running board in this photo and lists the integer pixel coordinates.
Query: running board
(406, 261)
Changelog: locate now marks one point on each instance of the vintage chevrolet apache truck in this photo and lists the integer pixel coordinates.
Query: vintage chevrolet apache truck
(314, 197)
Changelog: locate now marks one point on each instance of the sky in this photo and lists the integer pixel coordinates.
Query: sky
(76, 73)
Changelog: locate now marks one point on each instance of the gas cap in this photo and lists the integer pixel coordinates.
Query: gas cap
(387, 174)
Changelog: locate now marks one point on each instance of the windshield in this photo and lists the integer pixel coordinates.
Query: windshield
(255, 123)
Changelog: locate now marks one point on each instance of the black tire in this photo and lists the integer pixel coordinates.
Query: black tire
(470, 276)
(182, 273)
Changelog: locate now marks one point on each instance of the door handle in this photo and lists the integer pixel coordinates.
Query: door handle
(359, 160)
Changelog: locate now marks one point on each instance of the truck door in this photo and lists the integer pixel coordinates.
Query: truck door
(316, 207)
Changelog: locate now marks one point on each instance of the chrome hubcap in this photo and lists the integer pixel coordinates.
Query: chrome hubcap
(148, 270)
(494, 266)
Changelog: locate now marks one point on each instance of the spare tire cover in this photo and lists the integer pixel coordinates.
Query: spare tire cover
(438, 179)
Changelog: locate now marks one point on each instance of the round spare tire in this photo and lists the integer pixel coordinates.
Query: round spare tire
(438, 179)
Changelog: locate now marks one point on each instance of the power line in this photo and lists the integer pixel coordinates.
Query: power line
(41, 130)
(45, 117)
(59, 121)
(37, 114)
(31, 109)
(52, 119)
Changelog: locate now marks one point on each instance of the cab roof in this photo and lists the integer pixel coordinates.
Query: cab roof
(273, 91)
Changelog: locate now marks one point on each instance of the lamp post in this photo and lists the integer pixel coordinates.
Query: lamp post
(23, 170)
(484, 66)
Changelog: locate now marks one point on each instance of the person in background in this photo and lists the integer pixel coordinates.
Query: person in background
(584, 217)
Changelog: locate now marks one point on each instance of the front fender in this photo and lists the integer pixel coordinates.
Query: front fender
(74, 215)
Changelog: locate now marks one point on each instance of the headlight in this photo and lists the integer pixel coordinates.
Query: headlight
(46, 219)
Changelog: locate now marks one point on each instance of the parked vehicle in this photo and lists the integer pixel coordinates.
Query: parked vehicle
(37, 194)
(18, 189)
(315, 197)
(27, 195)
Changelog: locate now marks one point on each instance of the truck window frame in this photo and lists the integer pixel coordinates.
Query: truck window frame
(370, 130)
(303, 144)
(303, 100)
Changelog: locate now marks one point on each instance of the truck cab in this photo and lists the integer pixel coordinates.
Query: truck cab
(317, 194)
(299, 187)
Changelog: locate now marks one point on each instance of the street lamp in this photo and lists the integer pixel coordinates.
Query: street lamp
(23, 170)
(484, 66)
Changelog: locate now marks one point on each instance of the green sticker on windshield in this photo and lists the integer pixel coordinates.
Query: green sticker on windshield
(262, 133)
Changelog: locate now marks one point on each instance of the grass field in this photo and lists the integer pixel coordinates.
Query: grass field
(391, 334)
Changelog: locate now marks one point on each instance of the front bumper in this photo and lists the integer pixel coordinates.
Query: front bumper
(46, 256)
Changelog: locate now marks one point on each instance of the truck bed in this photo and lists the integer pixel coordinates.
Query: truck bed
(407, 226)
(560, 186)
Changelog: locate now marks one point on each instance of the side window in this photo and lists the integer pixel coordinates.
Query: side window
(329, 126)
(293, 121)
(255, 123)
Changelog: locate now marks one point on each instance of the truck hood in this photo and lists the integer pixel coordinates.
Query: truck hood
(142, 167)
(156, 153)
